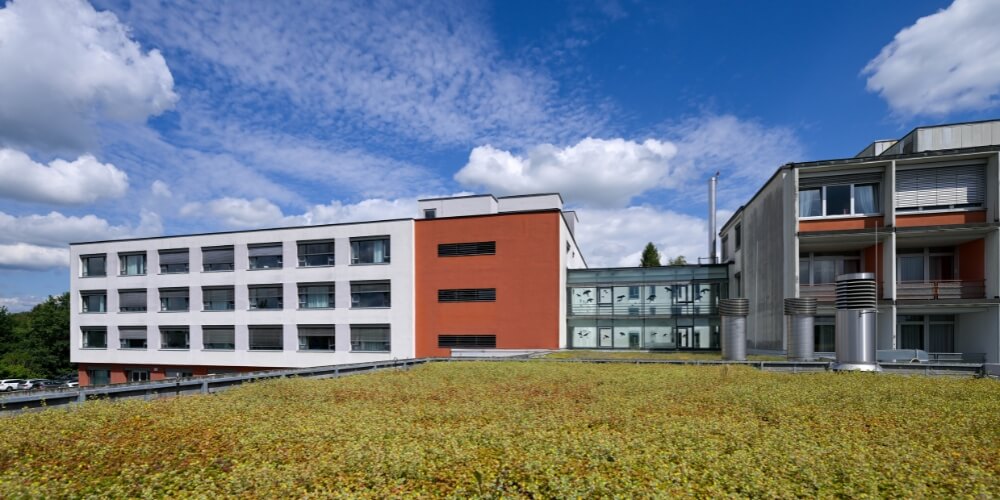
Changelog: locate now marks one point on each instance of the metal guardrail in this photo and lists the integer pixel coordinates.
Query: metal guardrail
(178, 387)
(210, 384)
(641, 310)
(942, 289)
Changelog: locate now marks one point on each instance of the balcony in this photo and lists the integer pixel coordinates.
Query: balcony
(942, 289)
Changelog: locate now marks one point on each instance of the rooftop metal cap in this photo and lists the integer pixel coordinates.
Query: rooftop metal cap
(734, 307)
(857, 291)
(805, 306)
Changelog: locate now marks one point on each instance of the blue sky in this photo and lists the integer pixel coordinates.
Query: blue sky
(122, 119)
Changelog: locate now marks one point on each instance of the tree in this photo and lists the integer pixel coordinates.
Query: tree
(677, 261)
(36, 343)
(650, 256)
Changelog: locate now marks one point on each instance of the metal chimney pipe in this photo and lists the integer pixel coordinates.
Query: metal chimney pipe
(712, 256)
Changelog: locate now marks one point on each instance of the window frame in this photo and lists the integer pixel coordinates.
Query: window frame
(85, 294)
(355, 304)
(123, 266)
(279, 258)
(251, 329)
(253, 303)
(85, 332)
(84, 265)
(231, 303)
(355, 344)
(356, 247)
(121, 308)
(303, 298)
(231, 329)
(303, 256)
(303, 342)
(879, 210)
(165, 330)
(187, 264)
(122, 341)
(164, 306)
(210, 267)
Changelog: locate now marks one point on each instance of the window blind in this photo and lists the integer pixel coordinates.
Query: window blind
(217, 255)
(264, 250)
(947, 187)
(834, 180)
(132, 299)
(173, 293)
(316, 331)
(132, 332)
(174, 257)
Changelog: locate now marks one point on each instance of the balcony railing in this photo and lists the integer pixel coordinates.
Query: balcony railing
(642, 310)
(942, 289)
(825, 292)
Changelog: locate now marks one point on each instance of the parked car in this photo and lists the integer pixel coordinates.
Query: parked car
(33, 384)
(48, 384)
(11, 384)
(71, 384)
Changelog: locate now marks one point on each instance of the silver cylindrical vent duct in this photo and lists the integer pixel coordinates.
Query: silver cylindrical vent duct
(734, 328)
(712, 254)
(857, 302)
(800, 315)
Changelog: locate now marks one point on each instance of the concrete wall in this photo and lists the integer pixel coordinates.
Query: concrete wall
(762, 262)
(459, 206)
(399, 316)
(547, 201)
(979, 332)
(570, 258)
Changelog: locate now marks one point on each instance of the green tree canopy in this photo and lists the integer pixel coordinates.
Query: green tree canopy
(36, 343)
(650, 256)
(677, 261)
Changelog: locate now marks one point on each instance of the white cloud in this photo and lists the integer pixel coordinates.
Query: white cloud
(19, 304)
(747, 153)
(66, 66)
(259, 212)
(945, 62)
(161, 189)
(56, 229)
(237, 212)
(32, 257)
(615, 237)
(84, 180)
(428, 71)
(596, 172)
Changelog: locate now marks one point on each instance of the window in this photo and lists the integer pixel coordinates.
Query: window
(468, 295)
(825, 331)
(266, 338)
(430, 213)
(174, 299)
(465, 249)
(219, 298)
(738, 282)
(217, 258)
(370, 251)
(317, 338)
(818, 268)
(468, 341)
(725, 248)
(926, 264)
(941, 333)
(174, 337)
(911, 332)
(633, 293)
(942, 188)
(842, 198)
(370, 294)
(218, 338)
(316, 295)
(94, 301)
(132, 337)
(738, 236)
(132, 300)
(370, 338)
(94, 337)
(267, 256)
(93, 265)
(266, 297)
(173, 261)
(316, 253)
(137, 375)
(99, 377)
(178, 373)
(133, 264)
